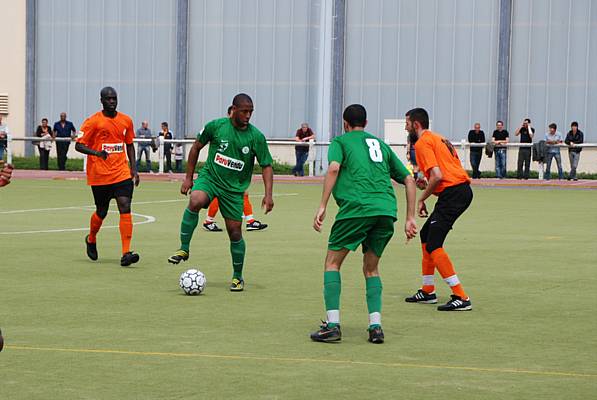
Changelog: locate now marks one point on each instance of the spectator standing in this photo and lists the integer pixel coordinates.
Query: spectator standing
(166, 134)
(303, 134)
(3, 138)
(45, 145)
(526, 133)
(553, 139)
(63, 129)
(476, 135)
(178, 156)
(144, 147)
(500, 138)
(574, 137)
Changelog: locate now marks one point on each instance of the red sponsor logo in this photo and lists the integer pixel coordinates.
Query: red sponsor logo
(228, 162)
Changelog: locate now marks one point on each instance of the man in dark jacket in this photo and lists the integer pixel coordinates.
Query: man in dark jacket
(573, 138)
(476, 136)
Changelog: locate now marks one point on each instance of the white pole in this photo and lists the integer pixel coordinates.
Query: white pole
(161, 155)
(9, 148)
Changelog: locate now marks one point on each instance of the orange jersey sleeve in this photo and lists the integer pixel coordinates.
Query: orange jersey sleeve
(101, 133)
(433, 150)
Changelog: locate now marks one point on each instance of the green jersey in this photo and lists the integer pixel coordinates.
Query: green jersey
(232, 154)
(364, 187)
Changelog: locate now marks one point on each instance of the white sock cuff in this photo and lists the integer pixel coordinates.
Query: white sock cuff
(333, 316)
(375, 318)
(452, 280)
(209, 219)
(428, 280)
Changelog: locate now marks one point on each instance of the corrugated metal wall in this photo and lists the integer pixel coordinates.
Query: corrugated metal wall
(554, 64)
(436, 54)
(83, 45)
(266, 48)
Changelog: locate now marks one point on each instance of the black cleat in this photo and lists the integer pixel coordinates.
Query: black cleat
(211, 227)
(91, 249)
(1, 340)
(178, 256)
(422, 297)
(376, 335)
(327, 334)
(128, 259)
(256, 226)
(456, 304)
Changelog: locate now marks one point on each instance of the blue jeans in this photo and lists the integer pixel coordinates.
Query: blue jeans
(2, 148)
(558, 158)
(144, 148)
(574, 158)
(301, 158)
(475, 162)
(500, 162)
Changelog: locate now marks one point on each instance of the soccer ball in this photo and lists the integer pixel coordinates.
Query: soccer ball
(192, 282)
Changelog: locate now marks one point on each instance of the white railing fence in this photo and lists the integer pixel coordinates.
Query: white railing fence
(282, 150)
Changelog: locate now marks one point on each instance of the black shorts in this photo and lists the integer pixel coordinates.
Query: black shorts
(102, 194)
(450, 205)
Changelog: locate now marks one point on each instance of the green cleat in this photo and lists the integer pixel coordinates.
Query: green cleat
(178, 256)
(237, 285)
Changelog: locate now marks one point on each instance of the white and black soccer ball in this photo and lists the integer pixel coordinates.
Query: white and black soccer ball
(192, 282)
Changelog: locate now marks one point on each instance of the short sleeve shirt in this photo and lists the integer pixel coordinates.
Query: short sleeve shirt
(500, 135)
(524, 135)
(101, 133)
(364, 187)
(434, 150)
(64, 131)
(232, 154)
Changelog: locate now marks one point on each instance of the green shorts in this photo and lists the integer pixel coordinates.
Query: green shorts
(373, 233)
(231, 203)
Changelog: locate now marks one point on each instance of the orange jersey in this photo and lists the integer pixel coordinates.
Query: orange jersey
(112, 135)
(433, 150)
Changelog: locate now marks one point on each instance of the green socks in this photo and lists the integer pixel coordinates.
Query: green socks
(374, 289)
(237, 251)
(332, 286)
(190, 219)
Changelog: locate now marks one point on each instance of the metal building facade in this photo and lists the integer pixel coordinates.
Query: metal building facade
(437, 54)
(554, 64)
(82, 46)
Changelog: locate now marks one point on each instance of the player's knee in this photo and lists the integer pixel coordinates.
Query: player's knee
(433, 245)
(101, 212)
(235, 235)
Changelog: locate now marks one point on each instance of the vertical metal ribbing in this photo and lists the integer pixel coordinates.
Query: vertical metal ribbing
(182, 51)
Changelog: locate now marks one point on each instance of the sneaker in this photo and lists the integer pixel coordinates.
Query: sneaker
(327, 334)
(91, 249)
(211, 227)
(128, 259)
(376, 335)
(256, 226)
(237, 285)
(422, 297)
(456, 304)
(178, 256)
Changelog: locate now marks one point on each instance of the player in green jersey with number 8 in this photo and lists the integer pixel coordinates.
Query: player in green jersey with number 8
(234, 144)
(359, 176)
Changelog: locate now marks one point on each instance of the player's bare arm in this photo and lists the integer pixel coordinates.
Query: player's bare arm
(191, 164)
(268, 182)
(81, 148)
(328, 184)
(435, 177)
(130, 152)
(410, 224)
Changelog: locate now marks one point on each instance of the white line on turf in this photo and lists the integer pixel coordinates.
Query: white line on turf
(148, 220)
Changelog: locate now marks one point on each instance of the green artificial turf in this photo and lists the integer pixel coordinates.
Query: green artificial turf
(76, 329)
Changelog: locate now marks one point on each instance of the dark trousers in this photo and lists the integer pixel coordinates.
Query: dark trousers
(178, 165)
(44, 157)
(475, 162)
(301, 158)
(524, 158)
(168, 155)
(61, 151)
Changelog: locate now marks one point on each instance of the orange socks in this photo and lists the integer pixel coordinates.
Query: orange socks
(446, 269)
(248, 210)
(428, 270)
(94, 226)
(212, 210)
(126, 231)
